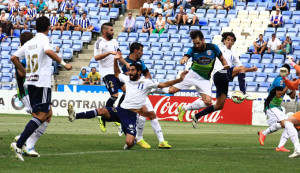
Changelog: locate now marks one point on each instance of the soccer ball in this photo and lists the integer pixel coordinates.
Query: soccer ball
(238, 97)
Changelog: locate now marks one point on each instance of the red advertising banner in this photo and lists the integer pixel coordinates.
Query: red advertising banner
(166, 109)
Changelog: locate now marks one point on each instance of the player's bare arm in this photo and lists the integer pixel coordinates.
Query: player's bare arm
(148, 75)
(104, 55)
(18, 64)
(173, 82)
(184, 60)
(56, 58)
(116, 66)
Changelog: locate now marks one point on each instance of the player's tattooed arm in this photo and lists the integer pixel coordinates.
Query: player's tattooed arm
(116, 66)
(173, 82)
(18, 64)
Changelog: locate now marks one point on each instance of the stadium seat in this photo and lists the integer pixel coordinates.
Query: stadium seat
(156, 46)
(200, 13)
(271, 77)
(16, 33)
(205, 30)
(123, 36)
(251, 6)
(170, 65)
(213, 22)
(293, 32)
(261, 6)
(251, 86)
(153, 37)
(15, 42)
(187, 46)
(177, 47)
(231, 14)
(286, 15)
(6, 86)
(260, 67)
(145, 44)
(104, 11)
(6, 68)
(146, 55)
(164, 37)
(132, 37)
(296, 50)
(240, 6)
(281, 32)
(211, 13)
(66, 35)
(269, 68)
(143, 37)
(278, 59)
(158, 64)
(269, 32)
(67, 54)
(149, 64)
(6, 77)
(194, 28)
(114, 13)
(124, 46)
(296, 15)
(56, 34)
(179, 67)
(267, 58)
(94, 11)
(5, 50)
(67, 44)
(221, 14)
(157, 55)
(178, 56)
(255, 59)
(166, 46)
(183, 29)
(250, 77)
(263, 87)
(289, 23)
(244, 58)
(203, 21)
(173, 29)
(168, 55)
(261, 77)
(76, 35)
(185, 38)
(224, 22)
(86, 37)
(175, 38)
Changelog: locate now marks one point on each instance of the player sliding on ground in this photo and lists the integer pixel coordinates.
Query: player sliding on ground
(39, 55)
(273, 110)
(137, 89)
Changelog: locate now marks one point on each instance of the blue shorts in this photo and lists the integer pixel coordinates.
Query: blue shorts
(126, 117)
(221, 80)
(40, 98)
(112, 84)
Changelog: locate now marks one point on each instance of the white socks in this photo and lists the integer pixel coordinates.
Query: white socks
(157, 129)
(292, 132)
(197, 104)
(36, 135)
(273, 128)
(140, 128)
(26, 102)
(283, 139)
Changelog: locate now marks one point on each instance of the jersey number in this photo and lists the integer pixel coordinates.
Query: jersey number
(111, 84)
(32, 63)
(140, 86)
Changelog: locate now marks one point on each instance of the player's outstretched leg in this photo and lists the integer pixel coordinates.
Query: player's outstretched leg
(262, 134)
(139, 135)
(82, 115)
(283, 140)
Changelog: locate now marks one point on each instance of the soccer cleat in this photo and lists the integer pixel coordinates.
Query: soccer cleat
(181, 113)
(71, 112)
(282, 149)
(261, 138)
(164, 145)
(17, 138)
(143, 144)
(101, 125)
(18, 151)
(118, 124)
(194, 120)
(120, 131)
(249, 97)
(126, 147)
(295, 154)
(30, 151)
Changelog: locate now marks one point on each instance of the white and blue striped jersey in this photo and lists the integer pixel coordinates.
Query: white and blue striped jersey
(84, 23)
(31, 12)
(13, 19)
(12, 9)
(281, 2)
(73, 21)
(260, 43)
(53, 20)
(63, 6)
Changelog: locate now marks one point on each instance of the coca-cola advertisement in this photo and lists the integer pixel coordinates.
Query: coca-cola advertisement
(232, 113)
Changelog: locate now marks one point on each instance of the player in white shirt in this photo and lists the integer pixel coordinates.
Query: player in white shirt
(222, 77)
(137, 88)
(105, 50)
(39, 55)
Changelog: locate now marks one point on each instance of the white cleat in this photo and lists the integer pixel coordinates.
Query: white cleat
(295, 154)
(120, 131)
(126, 147)
(18, 151)
(249, 97)
(30, 151)
(17, 138)
(71, 112)
(194, 120)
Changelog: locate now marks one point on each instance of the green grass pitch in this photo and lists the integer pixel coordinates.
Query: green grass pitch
(81, 147)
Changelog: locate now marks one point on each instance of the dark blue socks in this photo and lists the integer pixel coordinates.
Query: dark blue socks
(121, 99)
(110, 102)
(242, 84)
(87, 115)
(32, 125)
(205, 111)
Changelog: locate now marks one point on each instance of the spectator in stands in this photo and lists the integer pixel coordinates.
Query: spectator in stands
(191, 18)
(16, 7)
(11, 3)
(186, 4)
(217, 4)
(54, 63)
(168, 8)
(196, 3)
(83, 77)
(129, 23)
(53, 21)
(106, 3)
(274, 44)
(31, 13)
(94, 77)
(62, 22)
(286, 45)
(62, 6)
(2, 17)
(159, 25)
(177, 3)
(30, 1)
(179, 19)
(260, 45)
(281, 4)
(146, 9)
(73, 22)
(228, 4)
(276, 20)
(42, 13)
(7, 29)
(147, 26)
(70, 7)
(120, 4)
(207, 4)
(157, 10)
(52, 6)
(85, 24)
(21, 21)
(13, 19)
(41, 5)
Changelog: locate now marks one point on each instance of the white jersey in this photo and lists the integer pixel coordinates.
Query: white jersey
(136, 91)
(38, 63)
(230, 57)
(106, 65)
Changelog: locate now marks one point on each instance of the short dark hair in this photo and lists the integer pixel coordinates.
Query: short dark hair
(94, 68)
(25, 36)
(73, 12)
(274, 34)
(228, 34)
(137, 66)
(260, 35)
(135, 46)
(62, 12)
(105, 25)
(196, 34)
(159, 14)
(287, 66)
(84, 13)
(30, 3)
(146, 17)
(42, 24)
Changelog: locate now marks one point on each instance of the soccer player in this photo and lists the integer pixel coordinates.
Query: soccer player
(104, 51)
(137, 88)
(39, 55)
(136, 53)
(273, 110)
(203, 56)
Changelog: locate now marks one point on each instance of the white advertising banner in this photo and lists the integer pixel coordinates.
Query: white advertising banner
(258, 114)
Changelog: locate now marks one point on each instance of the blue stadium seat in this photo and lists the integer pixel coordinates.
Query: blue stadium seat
(293, 32)
(57, 43)
(269, 68)
(146, 55)
(93, 64)
(173, 29)
(183, 29)
(224, 22)
(250, 77)
(156, 46)
(221, 14)
(194, 28)
(260, 67)
(140, 21)
(114, 13)
(240, 6)
(263, 87)
(179, 67)
(261, 77)
(187, 46)
(94, 11)
(68, 54)
(6, 77)
(5, 50)
(66, 35)
(143, 37)
(149, 64)
(166, 46)
(104, 11)
(178, 56)
(177, 47)
(86, 37)
(252, 86)
(6, 86)
(124, 46)
(105, 19)
(215, 30)
(286, 15)
(244, 58)
(152, 72)
(261, 6)
(205, 30)
(16, 33)
(278, 59)
(158, 64)
(251, 6)
(76, 35)
(231, 14)
(123, 36)
(296, 50)
(269, 32)
(270, 5)
(164, 37)
(267, 58)
(203, 21)
(281, 32)
(168, 55)
(211, 13)
(200, 13)
(6, 42)
(157, 55)
(296, 15)
(213, 22)
(146, 45)
(271, 77)
(15, 42)
(133, 37)
(6, 68)
(82, 3)
(77, 45)
(185, 38)
(248, 65)
(153, 37)
(208, 38)
(170, 65)
(175, 38)
(171, 76)
(289, 23)
(5, 59)
(56, 34)
(67, 44)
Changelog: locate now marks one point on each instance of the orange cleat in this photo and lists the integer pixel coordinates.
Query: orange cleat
(261, 138)
(282, 149)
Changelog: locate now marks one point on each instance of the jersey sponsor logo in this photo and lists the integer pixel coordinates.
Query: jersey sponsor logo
(114, 109)
(33, 78)
(204, 60)
(208, 52)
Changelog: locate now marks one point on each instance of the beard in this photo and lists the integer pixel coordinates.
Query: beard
(109, 36)
(133, 77)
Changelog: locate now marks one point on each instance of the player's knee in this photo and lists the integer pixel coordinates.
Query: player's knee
(151, 115)
(207, 102)
(219, 107)
(130, 142)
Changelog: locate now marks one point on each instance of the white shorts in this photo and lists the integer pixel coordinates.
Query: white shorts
(203, 86)
(148, 105)
(274, 115)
